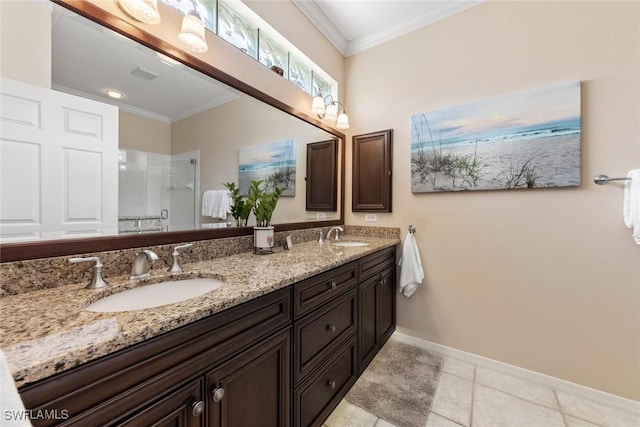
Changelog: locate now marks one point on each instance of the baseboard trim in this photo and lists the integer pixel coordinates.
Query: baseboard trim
(603, 397)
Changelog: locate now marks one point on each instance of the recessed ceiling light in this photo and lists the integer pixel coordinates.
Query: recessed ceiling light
(113, 93)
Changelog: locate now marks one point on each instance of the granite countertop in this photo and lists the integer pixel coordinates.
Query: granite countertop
(46, 332)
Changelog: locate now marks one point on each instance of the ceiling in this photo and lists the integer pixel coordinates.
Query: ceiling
(162, 91)
(353, 26)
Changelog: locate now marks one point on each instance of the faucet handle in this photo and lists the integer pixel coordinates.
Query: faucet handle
(176, 248)
(175, 265)
(97, 281)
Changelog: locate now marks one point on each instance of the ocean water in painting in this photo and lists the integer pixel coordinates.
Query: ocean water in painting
(273, 163)
(522, 140)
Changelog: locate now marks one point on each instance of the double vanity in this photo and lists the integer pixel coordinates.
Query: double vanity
(278, 341)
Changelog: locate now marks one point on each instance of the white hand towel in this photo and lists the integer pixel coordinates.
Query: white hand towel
(411, 271)
(207, 202)
(631, 205)
(221, 204)
(11, 406)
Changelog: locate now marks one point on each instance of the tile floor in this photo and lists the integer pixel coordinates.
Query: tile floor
(473, 396)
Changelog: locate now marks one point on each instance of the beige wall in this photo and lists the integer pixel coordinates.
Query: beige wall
(545, 279)
(219, 132)
(25, 42)
(145, 134)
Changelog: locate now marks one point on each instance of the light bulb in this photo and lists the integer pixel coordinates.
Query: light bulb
(317, 106)
(332, 112)
(343, 121)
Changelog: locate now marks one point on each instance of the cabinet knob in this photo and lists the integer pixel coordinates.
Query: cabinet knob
(331, 384)
(197, 408)
(218, 394)
(331, 328)
(333, 284)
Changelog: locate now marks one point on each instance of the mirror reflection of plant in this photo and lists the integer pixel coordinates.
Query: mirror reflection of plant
(240, 209)
(263, 201)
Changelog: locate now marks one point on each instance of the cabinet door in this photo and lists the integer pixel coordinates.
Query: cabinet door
(386, 302)
(367, 325)
(372, 172)
(322, 176)
(253, 388)
(183, 407)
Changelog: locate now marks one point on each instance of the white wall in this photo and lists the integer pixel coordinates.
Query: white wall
(545, 279)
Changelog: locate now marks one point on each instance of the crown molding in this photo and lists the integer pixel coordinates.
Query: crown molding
(311, 10)
(438, 11)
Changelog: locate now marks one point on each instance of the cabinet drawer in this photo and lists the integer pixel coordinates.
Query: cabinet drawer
(321, 393)
(376, 262)
(320, 333)
(315, 291)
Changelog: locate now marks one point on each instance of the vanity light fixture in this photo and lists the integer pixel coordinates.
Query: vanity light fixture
(330, 109)
(192, 33)
(142, 10)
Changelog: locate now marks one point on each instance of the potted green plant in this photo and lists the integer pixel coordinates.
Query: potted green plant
(240, 209)
(264, 203)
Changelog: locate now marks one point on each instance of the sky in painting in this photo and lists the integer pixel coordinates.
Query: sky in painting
(516, 110)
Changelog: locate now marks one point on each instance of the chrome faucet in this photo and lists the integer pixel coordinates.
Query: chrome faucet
(140, 268)
(97, 281)
(320, 238)
(175, 266)
(338, 230)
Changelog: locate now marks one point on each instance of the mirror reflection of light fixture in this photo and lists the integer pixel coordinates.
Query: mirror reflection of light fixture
(142, 10)
(192, 33)
(330, 109)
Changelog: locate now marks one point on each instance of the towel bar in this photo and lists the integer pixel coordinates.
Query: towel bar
(604, 179)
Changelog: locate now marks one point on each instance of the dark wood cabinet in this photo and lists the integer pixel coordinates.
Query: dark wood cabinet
(322, 176)
(376, 304)
(285, 358)
(183, 407)
(253, 388)
(372, 170)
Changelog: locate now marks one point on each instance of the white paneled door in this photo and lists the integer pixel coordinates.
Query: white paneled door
(58, 164)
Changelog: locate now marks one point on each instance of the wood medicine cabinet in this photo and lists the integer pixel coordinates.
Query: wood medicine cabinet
(322, 176)
(372, 159)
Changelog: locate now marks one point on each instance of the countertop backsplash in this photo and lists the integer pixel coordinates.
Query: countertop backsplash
(32, 275)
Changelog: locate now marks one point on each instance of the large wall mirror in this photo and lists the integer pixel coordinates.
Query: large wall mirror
(180, 129)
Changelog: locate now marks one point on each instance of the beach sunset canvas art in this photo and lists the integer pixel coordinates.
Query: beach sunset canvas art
(274, 163)
(528, 139)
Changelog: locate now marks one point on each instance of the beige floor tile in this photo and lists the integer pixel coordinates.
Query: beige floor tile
(458, 368)
(595, 412)
(527, 390)
(383, 423)
(436, 420)
(492, 408)
(576, 422)
(348, 415)
(453, 399)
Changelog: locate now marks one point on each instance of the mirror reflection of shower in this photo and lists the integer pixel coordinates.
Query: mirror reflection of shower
(157, 192)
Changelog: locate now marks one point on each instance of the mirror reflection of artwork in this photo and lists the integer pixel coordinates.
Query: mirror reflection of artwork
(528, 139)
(274, 163)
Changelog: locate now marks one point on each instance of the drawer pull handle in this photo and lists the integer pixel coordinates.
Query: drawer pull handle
(331, 328)
(218, 394)
(331, 384)
(197, 408)
(333, 284)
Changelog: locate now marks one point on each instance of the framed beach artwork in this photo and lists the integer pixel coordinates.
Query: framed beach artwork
(274, 163)
(528, 139)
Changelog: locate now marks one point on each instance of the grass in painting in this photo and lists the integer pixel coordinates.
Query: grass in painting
(522, 176)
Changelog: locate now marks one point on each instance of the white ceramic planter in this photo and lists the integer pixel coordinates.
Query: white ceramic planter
(263, 240)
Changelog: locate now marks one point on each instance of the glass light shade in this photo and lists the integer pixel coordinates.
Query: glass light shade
(317, 106)
(142, 10)
(343, 121)
(192, 34)
(331, 112)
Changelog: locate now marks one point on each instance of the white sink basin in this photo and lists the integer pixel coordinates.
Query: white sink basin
(155, 295)
(349, 244)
